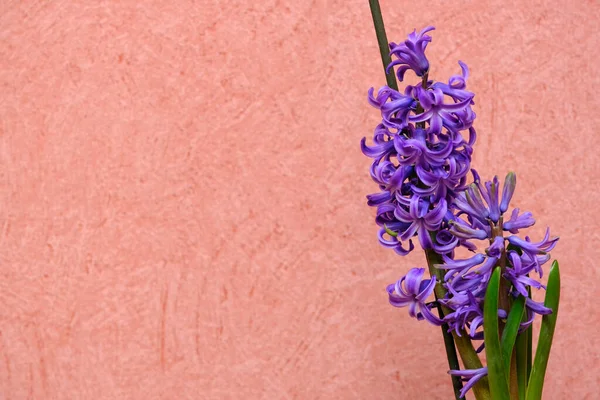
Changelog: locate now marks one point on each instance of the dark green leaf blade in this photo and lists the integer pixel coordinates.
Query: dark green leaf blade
(496, 375)
(509, 335)
(529, 345)
(542, 353)
(522, 347)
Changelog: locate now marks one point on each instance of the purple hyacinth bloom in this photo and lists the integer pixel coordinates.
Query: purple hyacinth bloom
(534, 249)
(394, 243)
(395, 111)
(461, 229)
(417, 150)
(444, 181)
(411, 54)
(392, 227)
(496, 247)
(492, 191)
(445, 242)
(481, 201)
(471, 376)
(412, 291)
(456, 85)
(510, 184)
(517, 221)
(537, 307)
(383, 144)
(436, 111)
(517, 274)
(422, 219)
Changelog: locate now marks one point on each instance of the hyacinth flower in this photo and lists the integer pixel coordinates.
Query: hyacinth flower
(421, 155)
(412, 291)
(410, 54)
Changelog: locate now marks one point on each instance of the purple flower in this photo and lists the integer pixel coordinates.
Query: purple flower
(383, 144)
(471, 376)
(534, 249)
(421, 219)
(394, 243)
(537, 307)
(461, 229)
(455, 88)
(510, 183)
(395, 111)
(412, 291)
(435, 110)
(461, 265)
(441, 182)
(417, 150)
(517, 274)
(517, 221)
(445, 242)
(391, 227)
(411, 54)
(480, 201)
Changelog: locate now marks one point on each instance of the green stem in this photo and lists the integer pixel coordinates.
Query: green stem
(383, 43)
(433, 257)
(463, 343)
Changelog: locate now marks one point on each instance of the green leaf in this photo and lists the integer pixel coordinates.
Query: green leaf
(510, 331)
(522, 352)
(523, 345)
(529, 344)
(538, 370)
(496, 376)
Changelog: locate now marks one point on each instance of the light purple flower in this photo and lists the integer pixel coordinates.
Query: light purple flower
(517, 221)
(411, 54)
(480, 201)
(383, 144)
(436, 111)
(416, 150)
(456, 85)
(461, 229)
(510, 183)
(395, 111)
(421, 219)
(517, 273)
(471, 376)
(412, 291)
(534, 249)
(445, 242)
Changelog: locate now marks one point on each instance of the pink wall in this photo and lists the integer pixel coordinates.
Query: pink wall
(182, 194)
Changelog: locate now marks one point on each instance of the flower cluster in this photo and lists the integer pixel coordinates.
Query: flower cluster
(420, 156)
(479, 215)
(421, 161)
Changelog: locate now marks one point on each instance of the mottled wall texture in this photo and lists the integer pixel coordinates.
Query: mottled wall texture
(182, 193)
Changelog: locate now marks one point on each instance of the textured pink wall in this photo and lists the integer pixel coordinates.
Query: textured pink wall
(182, 209)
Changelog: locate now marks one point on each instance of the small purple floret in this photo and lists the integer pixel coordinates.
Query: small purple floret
(412, 291)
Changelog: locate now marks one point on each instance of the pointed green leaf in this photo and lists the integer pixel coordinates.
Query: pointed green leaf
(522, 350)
(510, 331)
(496, 375)
(523, 346)
(542, 353)
(529, 345)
